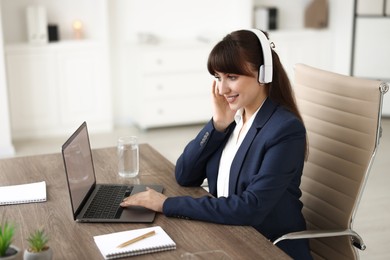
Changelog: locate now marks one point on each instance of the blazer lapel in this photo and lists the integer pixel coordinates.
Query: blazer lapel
(262, 117)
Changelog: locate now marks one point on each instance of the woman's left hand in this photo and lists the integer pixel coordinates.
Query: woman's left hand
(150, 199)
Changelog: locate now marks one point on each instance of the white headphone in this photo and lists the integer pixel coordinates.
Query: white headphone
(265, 70)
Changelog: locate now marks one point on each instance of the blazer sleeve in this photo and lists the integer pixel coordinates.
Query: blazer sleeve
(273, 167)
(190, 167)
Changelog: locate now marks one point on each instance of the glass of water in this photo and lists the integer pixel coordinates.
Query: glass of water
(128, 156)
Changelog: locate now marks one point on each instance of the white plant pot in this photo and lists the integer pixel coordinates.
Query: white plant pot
(44, 255)
(17, 255)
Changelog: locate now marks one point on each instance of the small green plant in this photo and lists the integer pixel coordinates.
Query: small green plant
(37, 241)
(6, 235)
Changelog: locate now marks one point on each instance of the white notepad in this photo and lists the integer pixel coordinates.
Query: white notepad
(23, 193)
(108, 243)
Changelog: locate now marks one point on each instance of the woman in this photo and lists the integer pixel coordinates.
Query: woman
(252, 151)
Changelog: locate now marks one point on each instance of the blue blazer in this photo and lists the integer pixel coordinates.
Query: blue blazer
(264, 177)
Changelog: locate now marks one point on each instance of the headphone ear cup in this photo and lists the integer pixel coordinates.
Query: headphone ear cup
(261, 74)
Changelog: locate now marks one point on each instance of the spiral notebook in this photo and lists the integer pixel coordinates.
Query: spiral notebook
(108, 243)
(23, 193)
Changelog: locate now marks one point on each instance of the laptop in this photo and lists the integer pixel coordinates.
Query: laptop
(87, 198)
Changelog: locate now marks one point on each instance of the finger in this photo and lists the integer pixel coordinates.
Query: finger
(130, 201)
(214, 87)
(149, 190)
(124, 203)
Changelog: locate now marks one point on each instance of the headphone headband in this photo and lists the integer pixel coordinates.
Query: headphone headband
(265, 70)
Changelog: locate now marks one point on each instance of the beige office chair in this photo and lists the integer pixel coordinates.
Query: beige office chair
(342, 116)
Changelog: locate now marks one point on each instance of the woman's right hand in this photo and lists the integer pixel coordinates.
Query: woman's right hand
(223, 116)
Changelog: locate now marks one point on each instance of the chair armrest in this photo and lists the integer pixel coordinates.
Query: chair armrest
(356, 239)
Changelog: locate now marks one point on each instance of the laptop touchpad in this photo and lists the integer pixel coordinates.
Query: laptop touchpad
(140, 214)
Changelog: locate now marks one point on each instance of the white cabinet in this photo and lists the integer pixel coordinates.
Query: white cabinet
(54, 88)
(28, 107)
(373, 7)
(370, 7)
(372, 51)
(387, 7)
(168, 84)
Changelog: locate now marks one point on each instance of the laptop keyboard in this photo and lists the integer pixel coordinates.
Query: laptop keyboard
(106, 202)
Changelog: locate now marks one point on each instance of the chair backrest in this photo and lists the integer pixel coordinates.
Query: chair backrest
(342, 117)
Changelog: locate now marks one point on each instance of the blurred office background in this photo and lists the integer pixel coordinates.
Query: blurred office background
(139, 67)
(131, 62)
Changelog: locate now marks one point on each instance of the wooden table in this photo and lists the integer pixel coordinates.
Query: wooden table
(71, 240)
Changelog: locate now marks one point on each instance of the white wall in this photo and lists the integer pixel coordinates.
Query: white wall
(180, 19)
(341, 25)
(6, 147)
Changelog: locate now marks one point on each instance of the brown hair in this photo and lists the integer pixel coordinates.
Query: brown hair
(240, 53)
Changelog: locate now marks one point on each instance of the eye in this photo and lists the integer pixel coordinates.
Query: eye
(232, 76)
(217, 77)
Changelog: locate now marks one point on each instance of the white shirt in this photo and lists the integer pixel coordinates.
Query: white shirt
(230, 150)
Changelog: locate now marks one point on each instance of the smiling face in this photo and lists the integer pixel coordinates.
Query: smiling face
(241, 91)
(235, 62)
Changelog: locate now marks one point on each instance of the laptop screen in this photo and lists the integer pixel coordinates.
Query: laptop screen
(79, 169)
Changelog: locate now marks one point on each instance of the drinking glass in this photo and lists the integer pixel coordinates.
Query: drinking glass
(128, 156)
